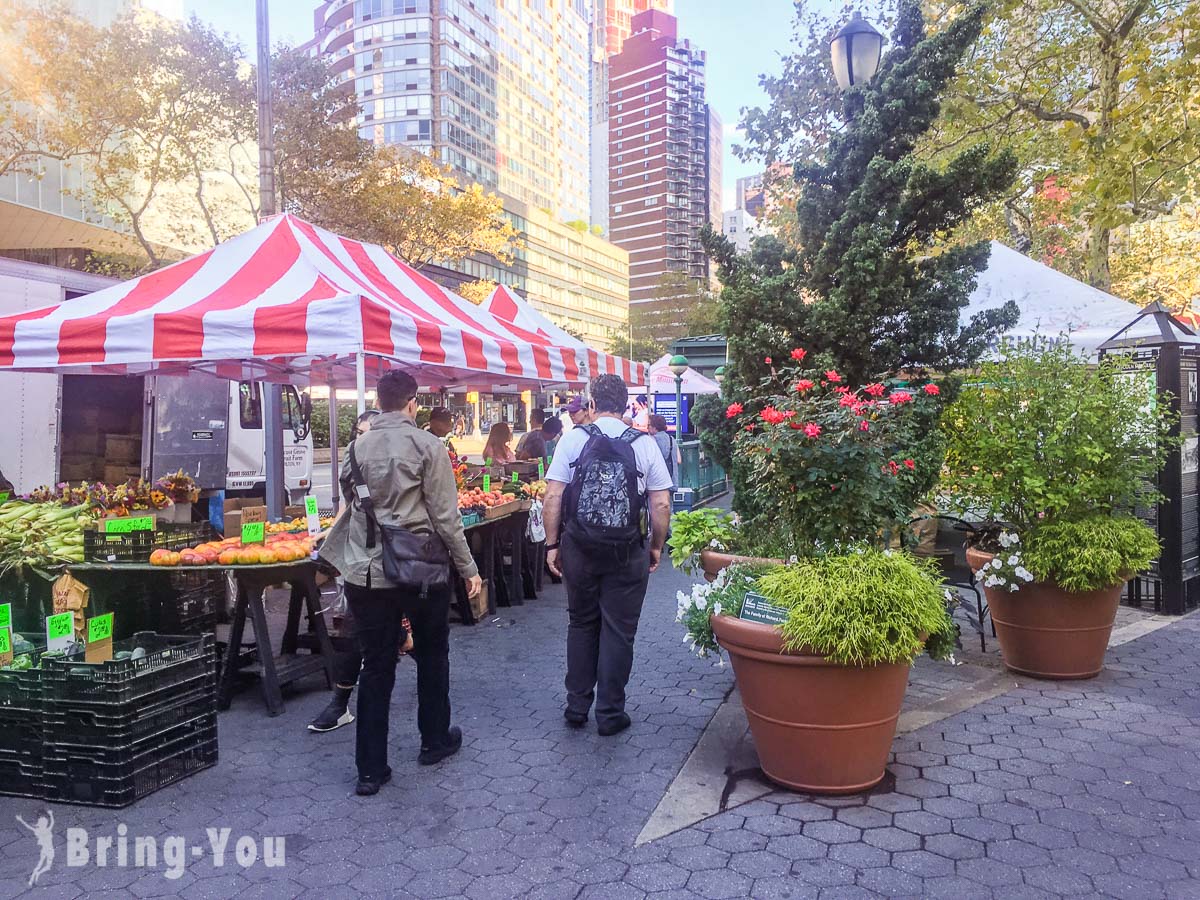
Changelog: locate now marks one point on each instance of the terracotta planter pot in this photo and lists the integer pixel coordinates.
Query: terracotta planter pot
(819, 727)
(1047, 632)
(713, 561)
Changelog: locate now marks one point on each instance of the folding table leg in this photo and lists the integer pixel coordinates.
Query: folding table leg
(291, 632)
(266, 652)
(233, 652)
(316, 620)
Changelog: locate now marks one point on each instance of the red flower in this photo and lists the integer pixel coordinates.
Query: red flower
(767, 360)
(899, 398)
(890, 469)
(798, 354)
(848, 399)
(875, 390)
(750, 428)
(812, 430)
(804, 384)
(833, 376)
(932, 390)
(734, 409)
(795, 426)
(864, 425)
(841, 390)
(909, 464)
(773, 416)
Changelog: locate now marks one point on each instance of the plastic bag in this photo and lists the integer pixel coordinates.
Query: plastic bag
(536, 529)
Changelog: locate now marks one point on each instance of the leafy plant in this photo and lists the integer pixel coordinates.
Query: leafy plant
(831, 466)
(864, 607)
(723, 597)
(1044, 436)
(1090, 554)
(696, 530)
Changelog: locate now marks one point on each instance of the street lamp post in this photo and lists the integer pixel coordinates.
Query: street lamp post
(719, 375)
(678, 366)
(856, 50)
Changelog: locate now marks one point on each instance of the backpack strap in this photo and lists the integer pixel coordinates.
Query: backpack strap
(632, 434)
(593, 431)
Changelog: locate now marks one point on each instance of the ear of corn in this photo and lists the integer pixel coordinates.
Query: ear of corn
(40, 535)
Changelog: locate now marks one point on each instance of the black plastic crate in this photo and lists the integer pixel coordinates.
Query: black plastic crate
(21, 778)
(170, 661)
(117, 776)
(121, 724)
(136, 546)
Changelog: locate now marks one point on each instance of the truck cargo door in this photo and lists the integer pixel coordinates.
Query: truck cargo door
(190, 430)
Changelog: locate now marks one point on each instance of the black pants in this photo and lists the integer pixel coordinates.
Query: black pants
(377, 614)
(605, 591)
(347, 665)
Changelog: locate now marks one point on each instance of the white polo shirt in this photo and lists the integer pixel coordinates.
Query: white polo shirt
(650, 463)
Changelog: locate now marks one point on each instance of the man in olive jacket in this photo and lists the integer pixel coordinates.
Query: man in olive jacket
(412, 485)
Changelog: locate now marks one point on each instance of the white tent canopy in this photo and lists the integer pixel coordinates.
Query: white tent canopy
(1053, 306)
(662, 380)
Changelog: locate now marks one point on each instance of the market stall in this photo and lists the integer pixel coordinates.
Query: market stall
(286, 302)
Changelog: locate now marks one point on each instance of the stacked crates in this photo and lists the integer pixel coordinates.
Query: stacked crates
(21, 742)
(113, 732)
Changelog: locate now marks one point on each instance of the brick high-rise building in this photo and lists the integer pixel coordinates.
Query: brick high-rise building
(664, 155)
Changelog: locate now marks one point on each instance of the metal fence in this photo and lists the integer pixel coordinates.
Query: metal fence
(700, 472)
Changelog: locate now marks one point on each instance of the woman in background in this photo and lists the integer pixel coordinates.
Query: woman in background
(496, 449)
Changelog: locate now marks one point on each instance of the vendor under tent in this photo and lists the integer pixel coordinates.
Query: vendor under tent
(507, 306)
(286, 302)
(1053, 306)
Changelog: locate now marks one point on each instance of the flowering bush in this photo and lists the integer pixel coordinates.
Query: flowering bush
(1006, 570)
(833, 465)
(723, 596)
(102, 499)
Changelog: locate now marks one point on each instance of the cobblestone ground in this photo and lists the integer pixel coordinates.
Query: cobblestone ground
(1049, 790)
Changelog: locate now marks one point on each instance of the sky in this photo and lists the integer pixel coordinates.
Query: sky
(742, 38)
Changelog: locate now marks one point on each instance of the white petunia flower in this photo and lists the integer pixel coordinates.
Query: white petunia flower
(1013, 560)
(1011, 588)
(996, 564)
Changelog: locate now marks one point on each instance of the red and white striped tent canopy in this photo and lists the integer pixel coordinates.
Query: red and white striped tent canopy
(505, 304)
(285, 301)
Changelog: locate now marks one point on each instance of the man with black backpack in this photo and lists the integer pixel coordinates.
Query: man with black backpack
(607, 507)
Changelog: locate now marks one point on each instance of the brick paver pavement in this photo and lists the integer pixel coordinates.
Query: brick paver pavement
(1072, 789)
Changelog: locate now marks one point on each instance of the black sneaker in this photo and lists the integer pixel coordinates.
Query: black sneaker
(431, 756)
(369, 787)
(575, 719)
(616, 726)
(335, 715)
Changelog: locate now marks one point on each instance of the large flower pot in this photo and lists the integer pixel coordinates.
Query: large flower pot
(714, 561)
(1047, 632)
(819, 727)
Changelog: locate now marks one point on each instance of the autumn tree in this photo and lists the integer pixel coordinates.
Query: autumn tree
(1096, 95)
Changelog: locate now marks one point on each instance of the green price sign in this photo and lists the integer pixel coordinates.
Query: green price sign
(60, 626)
(100, 628)
(541, 469)
(254, 532)
(516, 480)
(5, 642)
(488, 462)
(487, 484)
(310, 505)
(130, 525)
(5, 615)
(4, 495)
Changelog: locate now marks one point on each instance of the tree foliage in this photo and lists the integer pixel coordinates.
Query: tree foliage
(1098, 95)
(866, 284)
(161, 118)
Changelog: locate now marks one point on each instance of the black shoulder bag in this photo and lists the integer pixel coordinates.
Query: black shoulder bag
(414, 562)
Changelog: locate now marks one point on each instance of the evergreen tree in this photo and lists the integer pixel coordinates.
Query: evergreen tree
(869, 286)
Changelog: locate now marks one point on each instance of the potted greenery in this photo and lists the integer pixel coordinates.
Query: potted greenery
(1055, 455)
(823, 689)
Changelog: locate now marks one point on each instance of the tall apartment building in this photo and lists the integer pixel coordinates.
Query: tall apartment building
(664, 155)
(612, 23)
(499, 91)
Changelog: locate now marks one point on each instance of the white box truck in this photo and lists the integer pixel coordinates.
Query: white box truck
(110, 428)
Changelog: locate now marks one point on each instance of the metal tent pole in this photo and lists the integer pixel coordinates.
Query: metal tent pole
(272, 410)
(335, 469)
(360, 374)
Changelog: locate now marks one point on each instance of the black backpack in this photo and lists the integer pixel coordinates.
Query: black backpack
(603, 503)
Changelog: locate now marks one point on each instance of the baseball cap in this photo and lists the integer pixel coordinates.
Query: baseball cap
(576, 405)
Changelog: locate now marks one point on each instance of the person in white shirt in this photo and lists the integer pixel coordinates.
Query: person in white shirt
(603, 477)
